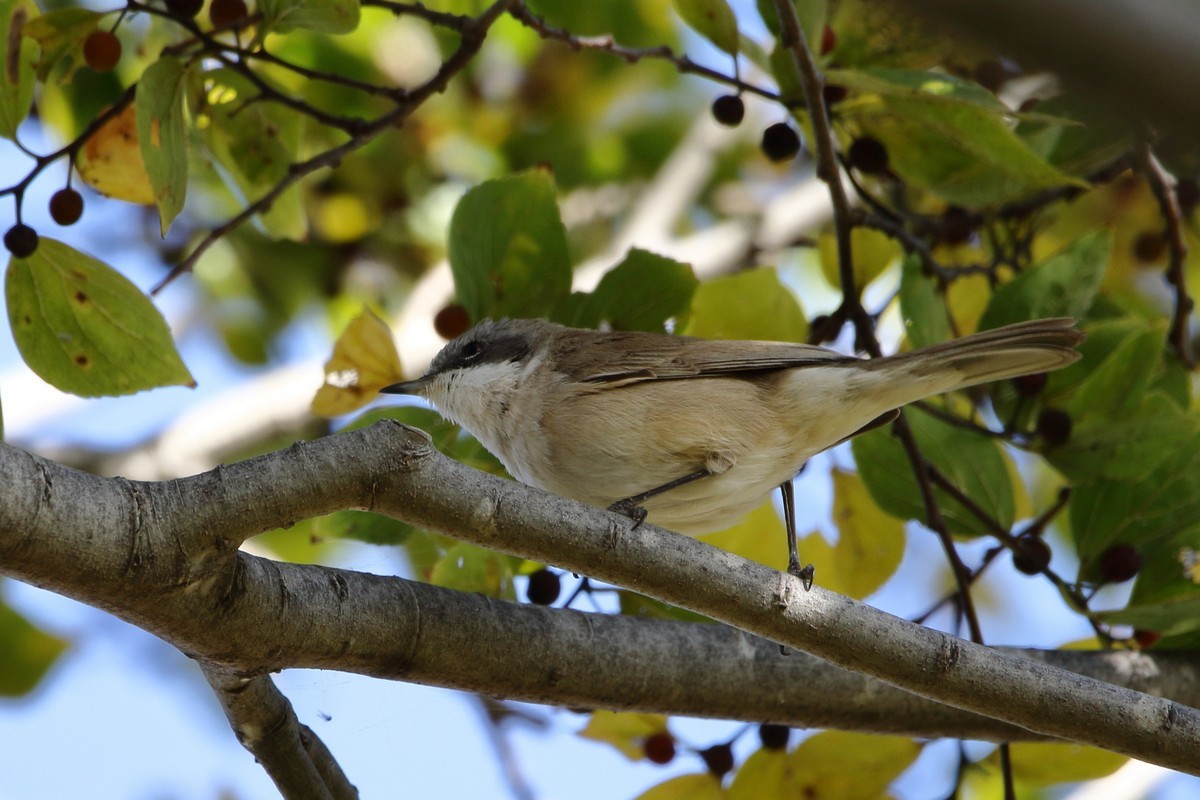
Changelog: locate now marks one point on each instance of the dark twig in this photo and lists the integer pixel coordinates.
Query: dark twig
(472, 38)
(1162, 185)
(606, 44)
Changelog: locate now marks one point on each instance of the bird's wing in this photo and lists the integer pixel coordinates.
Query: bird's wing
(635, 358)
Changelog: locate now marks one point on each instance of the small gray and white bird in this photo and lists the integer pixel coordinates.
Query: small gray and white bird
(692, 434)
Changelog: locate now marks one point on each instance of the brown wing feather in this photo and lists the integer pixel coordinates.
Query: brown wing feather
(631, 357)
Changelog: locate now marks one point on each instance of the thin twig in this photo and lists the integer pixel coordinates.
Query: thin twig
(1162, 185)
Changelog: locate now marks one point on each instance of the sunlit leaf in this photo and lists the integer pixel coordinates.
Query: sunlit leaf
(766, 773)
(323, 16)
(508, 248)
(111, 160)
(871, 252)
(624, 730)
(20, 54)
(848, 766)
(751, 304)
(922, 305)
(364, 361)
(470, 568)
(255, 142)
(162, 135)
(712, 19)
(84, 328)
(870, 543)
(759, 537)
(701, 786)
(28, 653)
(1048, 763)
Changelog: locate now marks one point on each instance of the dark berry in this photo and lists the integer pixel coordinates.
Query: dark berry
(1030, 554)
(728, 109)
(1145, 638)
(834, 94)
(780, 142)
(828, 40)
(718, 759)
(1030, 385)
(544, 586)
(774, 737)
(867, 155)
(66, 206)
(21, 240)
(184, 8)
(659, 747)
(101, 50)
(1119, 563)
(451, 322)
(223, 13)
(956, 226)
(1149, 246)
(1054, 426)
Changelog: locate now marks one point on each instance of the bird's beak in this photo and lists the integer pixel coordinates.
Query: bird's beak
(416, 386)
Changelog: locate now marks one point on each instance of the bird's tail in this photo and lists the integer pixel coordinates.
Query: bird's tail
(1009, 352)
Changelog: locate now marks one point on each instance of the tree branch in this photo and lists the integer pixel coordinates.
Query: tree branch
(163, 555)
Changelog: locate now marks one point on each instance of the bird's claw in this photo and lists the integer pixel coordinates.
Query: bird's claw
(630, 509)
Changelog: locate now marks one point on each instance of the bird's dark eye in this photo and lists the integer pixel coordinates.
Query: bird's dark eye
(471, 351)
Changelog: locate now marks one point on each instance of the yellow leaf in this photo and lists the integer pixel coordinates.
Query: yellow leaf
(759, 537)
(111, 160)
(364, 361)
(1047, 763)
(766, 773)
(871, 251)
(686, 787)
(848, 766)
(870, 542)
(625, 731)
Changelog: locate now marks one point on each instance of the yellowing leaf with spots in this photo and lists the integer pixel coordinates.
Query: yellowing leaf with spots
(84, 328)
(364, 361)
(111, 160)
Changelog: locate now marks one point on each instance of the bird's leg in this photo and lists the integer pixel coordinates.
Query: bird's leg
(805, 574)
(632, 506)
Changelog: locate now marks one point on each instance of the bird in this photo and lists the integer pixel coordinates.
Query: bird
(691, 434)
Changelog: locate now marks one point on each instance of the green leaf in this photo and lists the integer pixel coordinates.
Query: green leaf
(17, 73)
(84, 328)
(948, 136)
(922, 306)
(752, 304)
(60, 34)
(1063, 286)
(1162, 502)
(508, 248)
(639, 294)
(712, 19)
(28, 653)
(470, 568)
(811, 13)
(970, 460)
(1127, 447)
(1093, 141)
(871, 252)
(1116, 383)
(162, 135)
(323, 16)
(255, 142)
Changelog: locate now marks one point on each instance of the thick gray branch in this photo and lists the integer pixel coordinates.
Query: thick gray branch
(161, 555)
